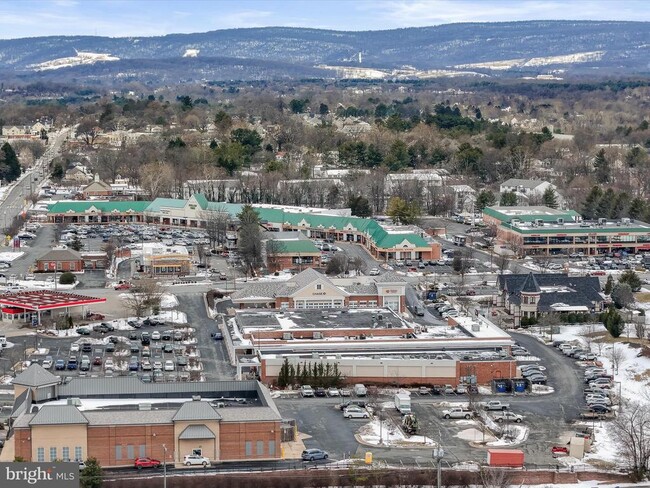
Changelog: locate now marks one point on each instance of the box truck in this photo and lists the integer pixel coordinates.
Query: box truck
(403, 402)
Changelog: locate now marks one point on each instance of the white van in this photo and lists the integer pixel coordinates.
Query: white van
(360, 390)
(3, 341)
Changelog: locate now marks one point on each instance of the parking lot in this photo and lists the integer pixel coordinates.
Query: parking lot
(152, 351)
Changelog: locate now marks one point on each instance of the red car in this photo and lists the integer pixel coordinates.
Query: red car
(559, 451)
(123, 286)
(97, 361)
(145, 462)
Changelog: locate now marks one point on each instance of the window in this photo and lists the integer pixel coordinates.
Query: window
(372, 303)
(143, 450)
(319, 287)
(78, 453)
(129, 452)
(260, 448)
(40, 455)
(52, 453)
(65, 453)
(118, 453)
(248, 448)
(353, 304)
(271, 448)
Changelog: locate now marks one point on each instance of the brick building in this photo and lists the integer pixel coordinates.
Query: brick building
(60, 260)
(97, 188)
(290, 250)
(48, 424)
(311, 289)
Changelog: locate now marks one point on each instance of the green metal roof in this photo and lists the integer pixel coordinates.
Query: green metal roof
(102, 206)
(546, 214)
(293, 246)
(159, 203)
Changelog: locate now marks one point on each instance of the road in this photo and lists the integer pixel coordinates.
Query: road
(14, 201)
(214, 356)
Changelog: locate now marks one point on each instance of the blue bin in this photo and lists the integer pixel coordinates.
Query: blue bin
(520, 386)
(500, 386)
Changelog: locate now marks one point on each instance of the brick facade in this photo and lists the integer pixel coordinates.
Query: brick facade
(102, 442)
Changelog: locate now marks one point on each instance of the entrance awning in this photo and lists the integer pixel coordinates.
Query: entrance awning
(196, 432)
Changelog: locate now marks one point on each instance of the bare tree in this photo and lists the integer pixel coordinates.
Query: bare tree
(616, 356)
(588, 335)
(631, 434)
(502, 262)
(146, 296)
(494, 478)
(216, 225)
(640, 328)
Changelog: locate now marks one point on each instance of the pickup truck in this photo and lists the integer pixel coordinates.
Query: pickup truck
(495, 405)
(457, 413)
(507, 417)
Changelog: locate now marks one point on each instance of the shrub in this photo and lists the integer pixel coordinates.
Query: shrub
(67, 278)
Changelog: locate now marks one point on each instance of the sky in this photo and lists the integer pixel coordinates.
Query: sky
(137, 18)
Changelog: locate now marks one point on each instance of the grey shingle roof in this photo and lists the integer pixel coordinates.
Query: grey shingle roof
(525, 183)
(255, 414)
(129, 417)
(530, 285)
(196, 432)
(35, 375)
(362, 289)
(61, 255)
(260, 289)
(390, 277)
(196, 411)
(577, 290)
(57, 415)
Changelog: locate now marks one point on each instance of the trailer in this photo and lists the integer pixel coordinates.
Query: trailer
(505, 458)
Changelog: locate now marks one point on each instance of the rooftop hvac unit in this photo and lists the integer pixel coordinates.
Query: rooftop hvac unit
(34, 409)
(476, 327)
(144, 406)
(514, 221)
(314, 355)
(318, 335)
(338, 356)
(196, 398)
(560, 221)
(287, 336)
(74, 401)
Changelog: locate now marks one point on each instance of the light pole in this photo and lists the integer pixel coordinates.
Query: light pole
(165, 466)
(437, 454)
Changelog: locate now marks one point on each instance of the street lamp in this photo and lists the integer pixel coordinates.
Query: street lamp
(165, 466)
(437, 454)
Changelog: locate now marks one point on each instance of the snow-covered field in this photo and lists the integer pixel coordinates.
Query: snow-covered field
(388, 434)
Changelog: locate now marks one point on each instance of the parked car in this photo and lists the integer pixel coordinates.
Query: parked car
(314, 454)
(145, 462)
(333, 392)
(47, 362)
(354, 412)
(83, 331)
(306, 391)
(59, 364)
(195, 460)
(72, 363)
(374, 272)
(217, 336)
(320, 392)
(169, 365)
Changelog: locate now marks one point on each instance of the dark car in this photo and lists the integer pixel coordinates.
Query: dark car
(320, 392)
(83, 331)
(59, 364)
(110, 347)
(166, 335)
(97, 361)
(600, 408)
(314, 454)
(168, 348)
(133, 335)
(134, 324)
(113, 339)
(87, 347)
(72, 363)
(217, 336)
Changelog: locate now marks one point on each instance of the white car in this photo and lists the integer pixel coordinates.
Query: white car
(108, 364)
(333, 392)
(195, 460)
(74, 347)
(353, 412)
(47, 362)
(169, 365)
(374, 272)
(155, 335)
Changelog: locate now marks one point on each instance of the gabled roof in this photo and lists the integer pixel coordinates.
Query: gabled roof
(36, 376)
(57, 415)
(201, 200)
(61, 255)
(291, 246)
(553, 288)
(196, 432)
(196, 410)
(97, 185)
(525, 183)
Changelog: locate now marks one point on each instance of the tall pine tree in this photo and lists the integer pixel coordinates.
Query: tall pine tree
(601, 167)
(550, 197)
(9, 164)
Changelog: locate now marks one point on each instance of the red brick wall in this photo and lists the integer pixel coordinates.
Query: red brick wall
(103, 439)
(233, 437)
(23, 443)
(486, 371)
(65, 266)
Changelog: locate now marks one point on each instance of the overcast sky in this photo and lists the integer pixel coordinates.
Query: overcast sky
(117, 18)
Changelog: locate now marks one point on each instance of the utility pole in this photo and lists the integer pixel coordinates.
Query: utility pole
(165, 467)
(438, 454)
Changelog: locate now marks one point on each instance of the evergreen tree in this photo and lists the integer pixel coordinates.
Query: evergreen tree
(602, 168)
(605, 204)
(591, 203)
(550, 197)
(622, 295)
(9, 165)
(631, 278)
(613, 322)
(250, 238)
(360, 206)
(620, 205)
(485, 199)
(637, 208)
(509, 199)
(91, 475)
(609, 285)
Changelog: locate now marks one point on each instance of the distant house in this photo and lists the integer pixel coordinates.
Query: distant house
(97, 189)
(78, 174)
(529, 296)
(525, 188)
(60, 260)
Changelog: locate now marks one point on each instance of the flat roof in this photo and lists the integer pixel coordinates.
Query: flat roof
(584, 227)
(46, 300)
